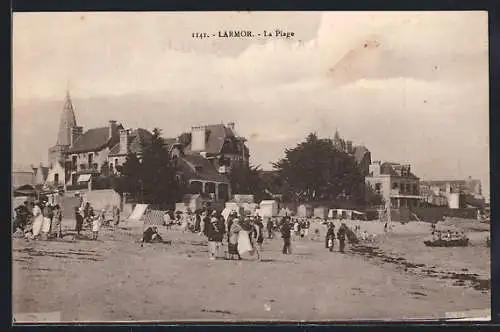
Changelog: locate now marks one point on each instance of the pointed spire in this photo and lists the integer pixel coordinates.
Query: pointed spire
(68, 121)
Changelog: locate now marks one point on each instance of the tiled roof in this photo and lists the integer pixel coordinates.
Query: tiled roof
(92, 140)
(197, 167)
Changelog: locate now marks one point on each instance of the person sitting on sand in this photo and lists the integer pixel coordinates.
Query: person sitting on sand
(151, 235)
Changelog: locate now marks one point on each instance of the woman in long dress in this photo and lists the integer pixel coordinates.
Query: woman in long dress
(233, 233)
(37, 219)
(47, 220)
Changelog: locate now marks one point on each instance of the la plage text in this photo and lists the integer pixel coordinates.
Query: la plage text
(276, 33)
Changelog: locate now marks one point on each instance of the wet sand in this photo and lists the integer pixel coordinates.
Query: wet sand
(114, 279)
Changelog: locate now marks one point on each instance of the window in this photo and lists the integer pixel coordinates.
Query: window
(91, 159)
(395, 185)
(116, 161)
(378, 187)
(56, 179)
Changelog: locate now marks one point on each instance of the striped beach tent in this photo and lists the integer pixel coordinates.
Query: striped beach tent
(153, 217)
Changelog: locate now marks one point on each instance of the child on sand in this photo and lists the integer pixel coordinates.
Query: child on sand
(96, 225)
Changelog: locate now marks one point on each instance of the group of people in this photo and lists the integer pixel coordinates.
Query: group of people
(246, 232)
(38, 220)
(85, 214)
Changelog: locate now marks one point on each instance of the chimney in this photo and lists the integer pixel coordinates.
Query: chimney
(198, 138)
(230, 125)
(76, 132)
(112, 128)
(123, 141)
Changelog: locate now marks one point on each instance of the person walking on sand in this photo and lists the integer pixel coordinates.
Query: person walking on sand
(258, 237)
(47, 221)
(56, 222)
(116, 215)
(285, 235)
(330, 236)
(214, 235)
(37, 219)
(341, 234)
(234, 233)
(79, 220)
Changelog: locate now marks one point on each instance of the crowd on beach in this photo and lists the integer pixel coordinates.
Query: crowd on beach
(229, 233)
(246, 232)
(42, 220)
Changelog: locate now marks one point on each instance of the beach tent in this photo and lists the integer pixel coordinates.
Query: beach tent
(138, 212)
(153, 217)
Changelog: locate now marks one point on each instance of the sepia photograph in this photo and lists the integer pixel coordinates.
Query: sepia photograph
(183, 167)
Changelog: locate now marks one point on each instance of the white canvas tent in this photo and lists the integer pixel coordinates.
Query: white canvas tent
(138, 212)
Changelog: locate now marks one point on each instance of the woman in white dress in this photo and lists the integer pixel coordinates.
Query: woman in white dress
(37, 219)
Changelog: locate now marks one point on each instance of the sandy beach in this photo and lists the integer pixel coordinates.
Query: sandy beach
(113, 279)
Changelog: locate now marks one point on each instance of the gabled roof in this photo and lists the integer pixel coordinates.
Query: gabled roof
(197, 167)
(93, 140)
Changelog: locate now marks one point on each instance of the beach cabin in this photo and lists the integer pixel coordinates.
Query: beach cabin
(305, 211)
(321, 212)
(268, 208)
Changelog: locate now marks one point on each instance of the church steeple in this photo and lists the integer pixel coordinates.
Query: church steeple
(68, 121)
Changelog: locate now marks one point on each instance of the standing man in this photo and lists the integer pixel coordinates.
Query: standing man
(258, 237)
(214, 235)
(330, 236)
(285, 234)
(341, 234)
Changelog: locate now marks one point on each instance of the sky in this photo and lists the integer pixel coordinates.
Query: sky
(410, 86)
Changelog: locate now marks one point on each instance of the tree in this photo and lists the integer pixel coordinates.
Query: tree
(246, 179)
(372, 198)
(158, 177)
(317, 170)
(130, 180)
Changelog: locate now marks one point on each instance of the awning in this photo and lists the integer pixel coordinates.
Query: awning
(84, 178)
